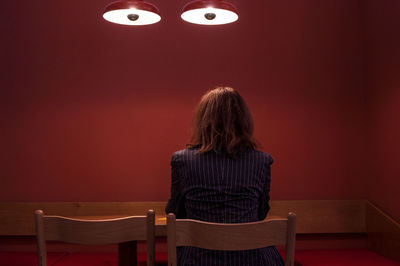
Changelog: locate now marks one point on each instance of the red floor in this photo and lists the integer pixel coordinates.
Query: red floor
(353, 257)
(28, 258)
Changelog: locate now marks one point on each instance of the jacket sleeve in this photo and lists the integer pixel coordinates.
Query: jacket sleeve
(176, 203)
(263, 204)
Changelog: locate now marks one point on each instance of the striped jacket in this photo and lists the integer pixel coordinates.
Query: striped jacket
(215, 188)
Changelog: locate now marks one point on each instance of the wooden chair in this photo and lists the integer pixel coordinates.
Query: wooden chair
(244, 236)
(95, 232)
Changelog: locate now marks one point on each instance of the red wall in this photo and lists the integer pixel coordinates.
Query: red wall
(92, 111)
(383, 76)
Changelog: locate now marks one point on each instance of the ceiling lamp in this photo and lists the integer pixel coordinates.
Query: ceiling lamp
(209, 12)
(131, 12)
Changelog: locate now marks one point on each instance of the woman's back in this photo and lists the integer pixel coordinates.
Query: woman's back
(217, 188)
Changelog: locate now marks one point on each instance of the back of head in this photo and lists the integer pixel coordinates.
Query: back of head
(223, 123)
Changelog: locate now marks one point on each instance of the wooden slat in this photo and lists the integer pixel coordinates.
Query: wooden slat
(95, 232)
(323, 216)
(383, 233)
(313, 216)
(231, 236)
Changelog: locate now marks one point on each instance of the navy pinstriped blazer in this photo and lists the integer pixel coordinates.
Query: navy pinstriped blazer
(215, 188)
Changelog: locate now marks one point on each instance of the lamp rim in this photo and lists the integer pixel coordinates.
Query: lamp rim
(132, 4)
(218, 4)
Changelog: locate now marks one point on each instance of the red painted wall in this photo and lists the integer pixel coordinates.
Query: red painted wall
(383, 77)
(92, 111)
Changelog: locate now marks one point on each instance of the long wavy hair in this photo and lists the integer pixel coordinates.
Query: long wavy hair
(222, 123)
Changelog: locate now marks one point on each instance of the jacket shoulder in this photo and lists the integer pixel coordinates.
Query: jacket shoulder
(182, 155)
(183, 152)
(267, 157)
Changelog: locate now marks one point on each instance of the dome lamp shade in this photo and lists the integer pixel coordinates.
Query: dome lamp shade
(209, 12)
(131, 12)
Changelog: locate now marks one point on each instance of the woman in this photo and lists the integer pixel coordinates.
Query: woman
(220, 177)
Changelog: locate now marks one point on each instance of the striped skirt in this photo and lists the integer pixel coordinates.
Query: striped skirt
(205, 257)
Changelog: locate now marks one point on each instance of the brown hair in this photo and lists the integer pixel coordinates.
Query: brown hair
(222, 123)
